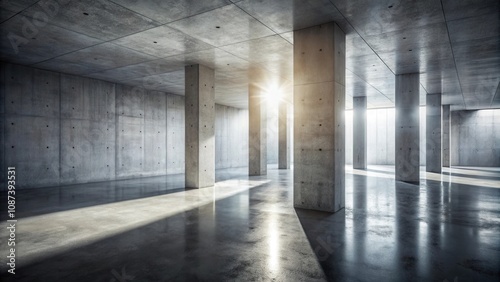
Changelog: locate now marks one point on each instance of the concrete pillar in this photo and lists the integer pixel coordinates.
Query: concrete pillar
(433, 133)
(407, 128)
(446, 135)
(199, 126)
(319, 122)
(257, 117)
(284, 133)
(359, 158)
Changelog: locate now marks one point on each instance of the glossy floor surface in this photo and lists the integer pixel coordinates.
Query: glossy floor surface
(245, 228)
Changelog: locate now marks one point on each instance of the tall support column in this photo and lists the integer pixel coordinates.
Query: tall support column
(319, 122)
(359, 158)
(257, 117)
(283, 135)
(433, 133)
(200, 120)
(407, 128)
(446, 135)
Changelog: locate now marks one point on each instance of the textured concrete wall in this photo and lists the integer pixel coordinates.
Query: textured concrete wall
(155, 133)
(433, 133)
(141, 148)
(63, 129)
(381, 136)
(32, 125)
(283, 136)
(257, 128)
(272, 133)
(446, 135)
(175, 134)
(87, 130)
(407, 156)
(319, 121)
(475, 138)
(359, 150)
(348, 137)
(231, 137)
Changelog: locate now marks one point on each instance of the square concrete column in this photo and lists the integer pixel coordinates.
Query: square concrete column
(407, 128)
(200, 120)
(359, 158)
(319, 122)
(446, 145)
(257, 117)
(433, 133)
(283, 136)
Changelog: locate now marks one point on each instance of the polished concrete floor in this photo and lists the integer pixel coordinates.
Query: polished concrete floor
(245, 228)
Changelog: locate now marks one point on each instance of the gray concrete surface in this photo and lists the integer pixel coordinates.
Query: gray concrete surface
(175, 134)
(66, 129)
(381, 126)
(447, 43)
(475, 138)
(360, 144)
(381, 136)
(272, 132)
(407, 144)
(231, 137)
(446, 134)
(87, 134)
(157, 228)
(284, 136)
(257, 128)
(200, 126)
(434, 130)
(130, 130)
(32, 127)
(319, 126)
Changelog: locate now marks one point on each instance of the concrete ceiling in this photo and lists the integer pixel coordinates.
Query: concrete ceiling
(454, 45)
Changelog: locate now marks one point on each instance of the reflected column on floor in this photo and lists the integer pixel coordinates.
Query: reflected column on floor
(359, 133)
(446, 136)
(319, 125)
(433, 133)
(408, 128)
(200, 120)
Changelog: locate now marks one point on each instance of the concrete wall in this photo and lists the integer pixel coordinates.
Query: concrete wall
(87, 136)
(31, 125)
(231, 137)
(63, 129)
(175, 134)
(475, 138)
(381, 136)
(272, 133)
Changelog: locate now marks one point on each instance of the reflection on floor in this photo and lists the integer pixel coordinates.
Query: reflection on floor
(245, 228)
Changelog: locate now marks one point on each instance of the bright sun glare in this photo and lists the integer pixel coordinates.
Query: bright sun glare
(273, 94)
